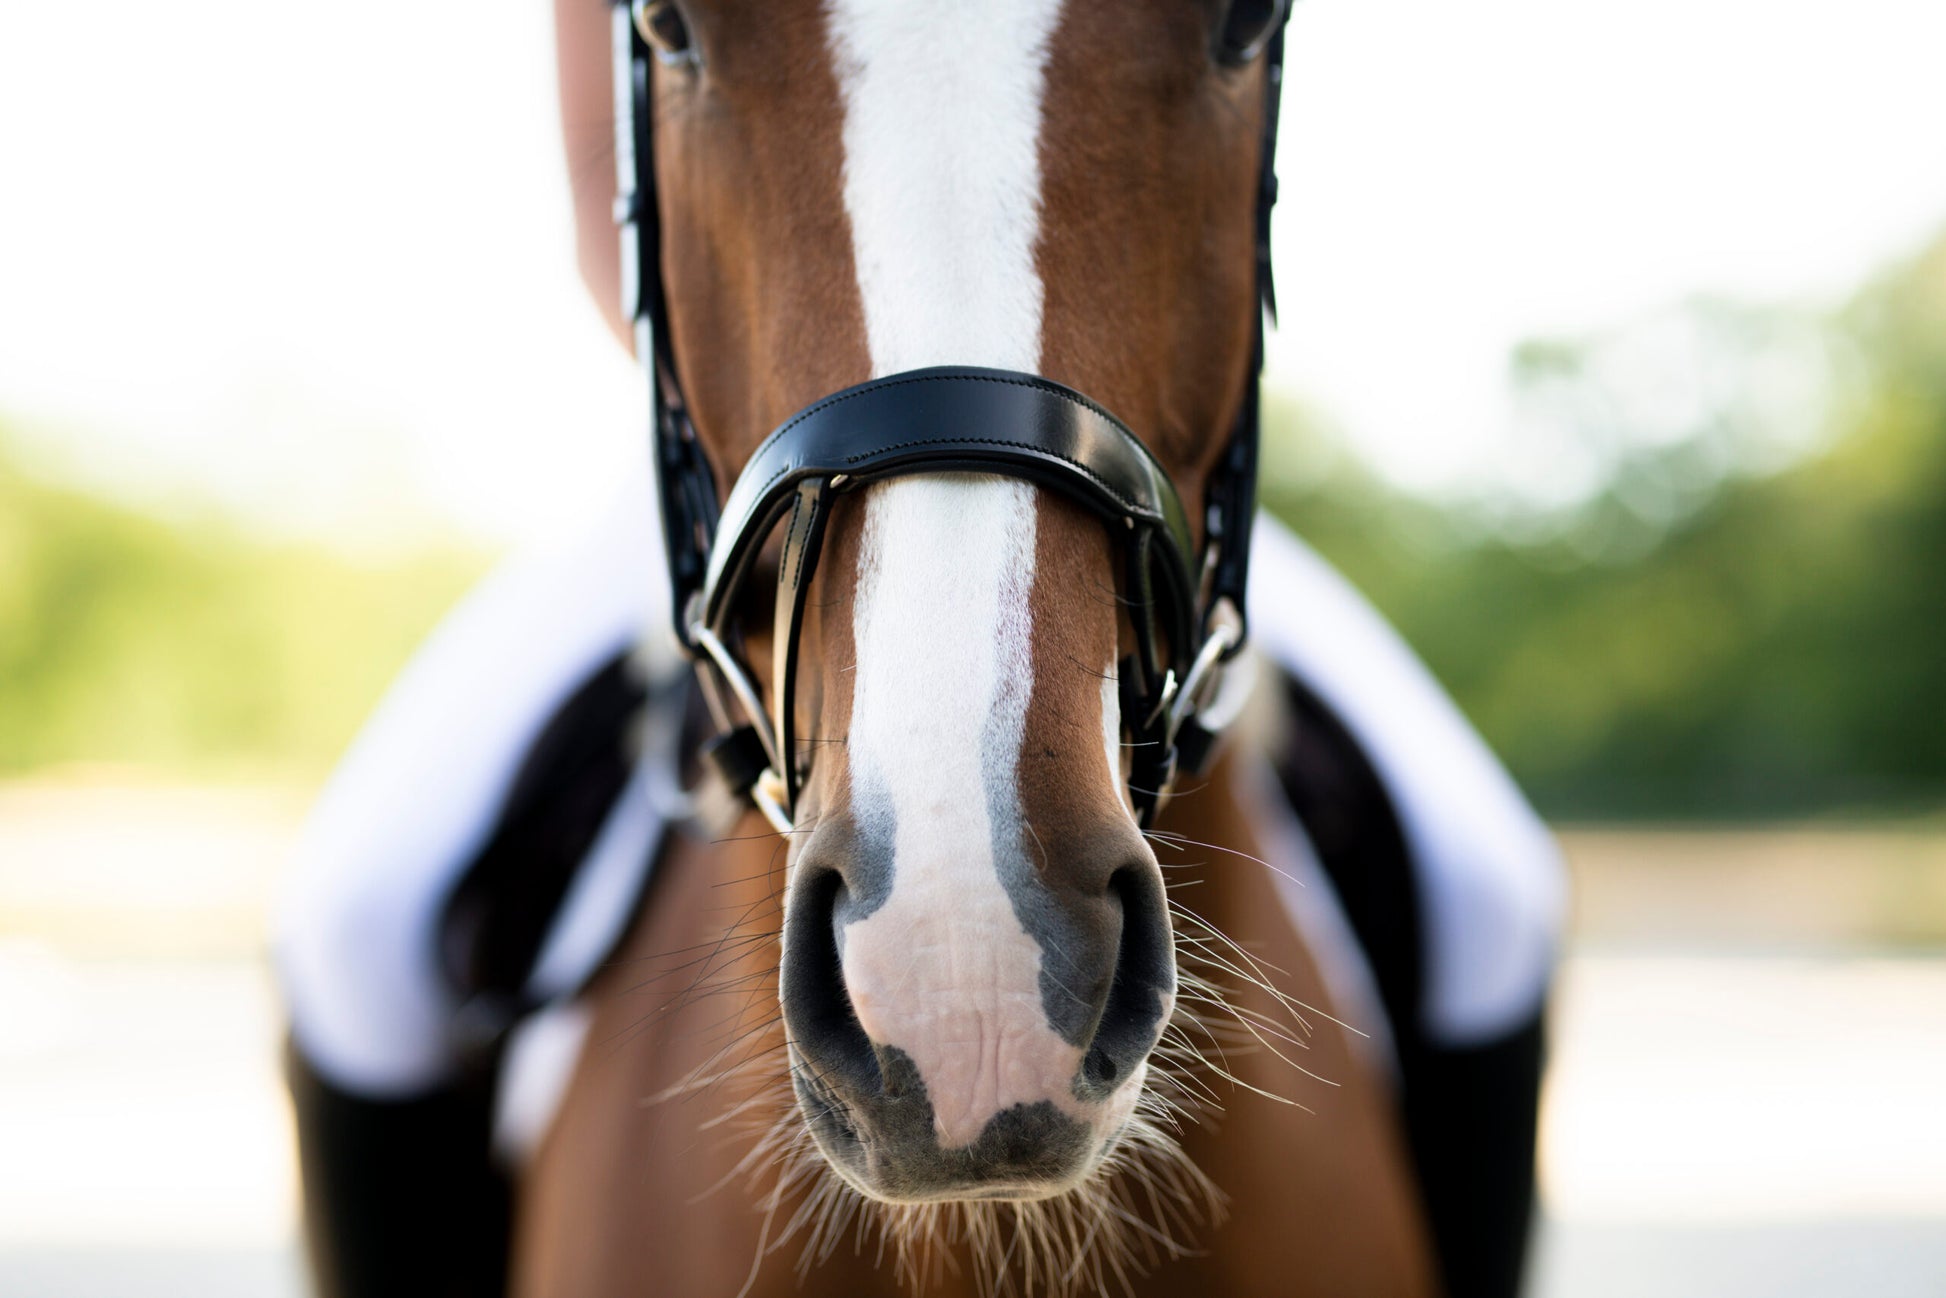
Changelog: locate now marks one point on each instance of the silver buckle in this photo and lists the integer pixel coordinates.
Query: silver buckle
(1206, 672)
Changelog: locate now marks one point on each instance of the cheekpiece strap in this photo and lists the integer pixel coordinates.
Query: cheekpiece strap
(685, 484)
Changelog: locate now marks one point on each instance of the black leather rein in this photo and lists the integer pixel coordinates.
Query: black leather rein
(1184, 601)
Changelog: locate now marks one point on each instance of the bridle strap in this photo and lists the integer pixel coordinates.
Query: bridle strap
(1230, 497)
(685, 484)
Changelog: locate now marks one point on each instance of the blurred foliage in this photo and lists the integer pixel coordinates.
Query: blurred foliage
(1707, 633)
(191, 646)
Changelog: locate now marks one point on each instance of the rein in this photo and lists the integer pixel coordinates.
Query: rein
(1186, 603)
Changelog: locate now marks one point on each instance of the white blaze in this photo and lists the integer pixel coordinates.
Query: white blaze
(942, 175)
(1111, 729)
(942, 186)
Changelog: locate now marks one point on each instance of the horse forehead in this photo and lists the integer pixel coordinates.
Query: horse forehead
(942, 117)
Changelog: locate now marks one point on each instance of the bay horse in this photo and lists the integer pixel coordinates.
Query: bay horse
(975, 995)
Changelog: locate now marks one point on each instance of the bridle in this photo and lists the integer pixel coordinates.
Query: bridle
(1186, 603)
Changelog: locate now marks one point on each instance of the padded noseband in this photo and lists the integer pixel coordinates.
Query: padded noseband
(949, 420)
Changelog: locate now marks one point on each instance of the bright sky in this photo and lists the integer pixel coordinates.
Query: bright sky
(313, 261)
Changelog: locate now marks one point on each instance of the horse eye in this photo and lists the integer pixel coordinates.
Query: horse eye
(662, 26)
(1246, 28)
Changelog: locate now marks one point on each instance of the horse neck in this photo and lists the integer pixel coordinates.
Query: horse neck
(1300, 1129)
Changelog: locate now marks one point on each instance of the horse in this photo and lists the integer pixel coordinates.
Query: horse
(996, 970)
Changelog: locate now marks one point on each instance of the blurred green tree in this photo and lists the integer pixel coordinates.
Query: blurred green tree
(1709, 634)
(191, 647)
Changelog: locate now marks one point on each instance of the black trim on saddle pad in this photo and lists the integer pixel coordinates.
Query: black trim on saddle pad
(500, 911)
(401, 1198)
(1470, 1114)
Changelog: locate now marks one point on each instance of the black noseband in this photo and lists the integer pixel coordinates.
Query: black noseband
(952, 420)
(1185, 602)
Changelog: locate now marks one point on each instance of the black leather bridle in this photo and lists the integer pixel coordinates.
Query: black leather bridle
(1186, 602)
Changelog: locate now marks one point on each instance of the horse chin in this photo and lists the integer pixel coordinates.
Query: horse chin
(1033, 1155)
(996, 1194)
(1108, 1205)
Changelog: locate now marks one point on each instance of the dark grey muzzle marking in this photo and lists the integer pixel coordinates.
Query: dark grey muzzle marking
(885, 1144)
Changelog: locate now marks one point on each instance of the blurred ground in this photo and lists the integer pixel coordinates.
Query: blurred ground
(1749, 1051)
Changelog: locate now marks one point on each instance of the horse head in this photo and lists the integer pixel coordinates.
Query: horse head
(977, 953)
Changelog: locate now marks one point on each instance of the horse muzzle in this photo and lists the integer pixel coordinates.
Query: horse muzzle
(953, 1041)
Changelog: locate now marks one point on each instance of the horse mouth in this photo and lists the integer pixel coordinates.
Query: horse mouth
(886, 1148)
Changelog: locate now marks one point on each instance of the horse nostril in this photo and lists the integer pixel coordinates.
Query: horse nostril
(817, 1008)
(1100, 1067)
(1144, 981)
